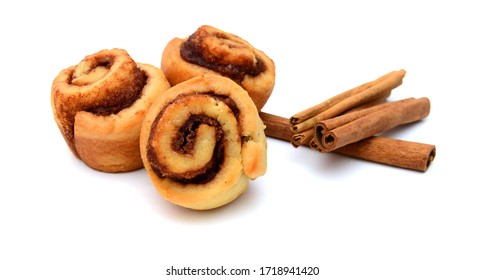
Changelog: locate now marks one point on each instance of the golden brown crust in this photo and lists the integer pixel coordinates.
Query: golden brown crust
(212, 51)
(103, 134)
(202, 142)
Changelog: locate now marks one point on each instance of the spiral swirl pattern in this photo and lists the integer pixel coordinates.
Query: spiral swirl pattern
(99, 105)
(213, 51)
(202, 142)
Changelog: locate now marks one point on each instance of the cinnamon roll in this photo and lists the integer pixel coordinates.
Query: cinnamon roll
(212, 51)
(202, 142)
(99, 105)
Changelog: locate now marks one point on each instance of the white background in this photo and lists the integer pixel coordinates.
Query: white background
(353, 219)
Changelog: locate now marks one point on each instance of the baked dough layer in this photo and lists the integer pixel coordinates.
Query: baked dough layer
(99, 106)
(202, 142)
(213, 51)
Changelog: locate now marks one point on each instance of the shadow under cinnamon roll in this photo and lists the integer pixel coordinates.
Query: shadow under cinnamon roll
(212, 51)
(202, 142)
(99, 105)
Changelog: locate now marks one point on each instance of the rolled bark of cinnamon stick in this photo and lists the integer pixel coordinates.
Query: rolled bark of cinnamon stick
(302, 138)
(276, 126)
(383, 150)
(336, 105)
(388, 116)
(326, 125)
(405, 154)
(306, 137)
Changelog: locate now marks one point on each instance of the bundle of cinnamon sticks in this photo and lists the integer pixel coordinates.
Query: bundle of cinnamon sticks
(348, 123)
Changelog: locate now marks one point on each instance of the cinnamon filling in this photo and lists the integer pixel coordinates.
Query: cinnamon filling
(185, 138)
(183, 143)
(123, 97)
(197, 51)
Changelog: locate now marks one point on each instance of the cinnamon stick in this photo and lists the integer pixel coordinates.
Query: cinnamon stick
(405, 154)
(386, 117)
(393, 152)
(307, 136)
(313, 111)
(326, 125)
(276, 126)
(377, 89)
(302, 138)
